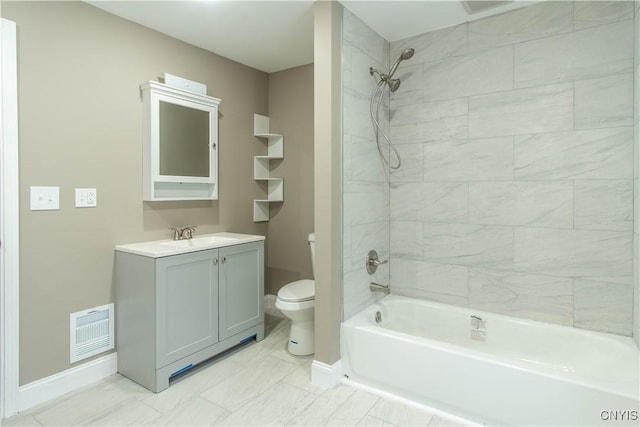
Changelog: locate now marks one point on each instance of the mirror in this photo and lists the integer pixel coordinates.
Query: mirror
(184, 141)
(180, 143)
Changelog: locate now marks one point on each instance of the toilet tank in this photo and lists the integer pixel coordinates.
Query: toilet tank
(312, 247)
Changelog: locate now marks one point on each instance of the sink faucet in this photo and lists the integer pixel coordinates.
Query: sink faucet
(377, 287)
(187, 232)
(183, 233)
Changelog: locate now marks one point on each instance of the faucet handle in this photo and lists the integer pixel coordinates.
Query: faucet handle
(187, 232)
(176, 233)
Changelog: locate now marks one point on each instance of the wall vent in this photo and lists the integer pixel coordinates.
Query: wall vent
(91, 332)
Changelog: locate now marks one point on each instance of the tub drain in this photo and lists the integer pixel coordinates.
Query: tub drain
(378, 317)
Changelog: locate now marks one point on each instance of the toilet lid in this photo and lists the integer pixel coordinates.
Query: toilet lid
(300, 290)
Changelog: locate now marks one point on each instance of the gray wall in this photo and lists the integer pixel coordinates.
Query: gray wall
(291, 113)
(79, 71)
(516, 194)
(366, 192)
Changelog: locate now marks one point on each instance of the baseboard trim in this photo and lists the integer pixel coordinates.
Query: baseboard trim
(326, 375)
(56, 385)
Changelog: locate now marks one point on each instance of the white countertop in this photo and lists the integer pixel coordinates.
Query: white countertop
(162, 248)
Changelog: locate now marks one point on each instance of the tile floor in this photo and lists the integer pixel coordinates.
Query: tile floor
(260, 384)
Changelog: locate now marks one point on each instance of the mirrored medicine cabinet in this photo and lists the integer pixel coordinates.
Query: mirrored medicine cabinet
(180, 143)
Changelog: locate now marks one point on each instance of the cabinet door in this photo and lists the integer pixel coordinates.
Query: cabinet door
(241, 287)
(187, 304)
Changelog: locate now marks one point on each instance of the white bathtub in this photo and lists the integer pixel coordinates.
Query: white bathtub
(523, 373)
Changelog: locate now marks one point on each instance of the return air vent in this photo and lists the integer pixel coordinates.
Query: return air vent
(475, 6)
(91, 332)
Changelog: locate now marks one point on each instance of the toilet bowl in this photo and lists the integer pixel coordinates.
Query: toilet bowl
(296, 301)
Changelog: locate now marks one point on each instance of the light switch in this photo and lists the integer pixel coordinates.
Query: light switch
(86, 198)
(45, 198)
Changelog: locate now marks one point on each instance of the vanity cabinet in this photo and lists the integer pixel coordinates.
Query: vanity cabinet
(173, 312)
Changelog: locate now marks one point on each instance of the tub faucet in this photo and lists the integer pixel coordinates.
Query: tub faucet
(377, 287)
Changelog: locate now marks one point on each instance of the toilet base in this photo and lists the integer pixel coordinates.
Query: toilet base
(301, 338)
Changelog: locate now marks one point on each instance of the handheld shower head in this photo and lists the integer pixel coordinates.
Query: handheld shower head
(408, 53)
(394, 84)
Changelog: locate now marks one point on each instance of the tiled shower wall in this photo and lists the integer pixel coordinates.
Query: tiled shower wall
(636, 184)
(516, 192)
(366, 190)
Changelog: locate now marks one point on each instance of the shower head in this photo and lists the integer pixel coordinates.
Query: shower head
(406, 54)
(394, 84)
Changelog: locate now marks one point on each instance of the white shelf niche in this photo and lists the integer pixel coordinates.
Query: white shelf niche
(261, 167)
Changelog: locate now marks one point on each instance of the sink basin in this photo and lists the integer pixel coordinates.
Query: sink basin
(197, 242)
(163, 248)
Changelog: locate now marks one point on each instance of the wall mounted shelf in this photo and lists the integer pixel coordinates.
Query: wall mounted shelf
(261, 167)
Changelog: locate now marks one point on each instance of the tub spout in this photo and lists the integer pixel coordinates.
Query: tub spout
(377, 287)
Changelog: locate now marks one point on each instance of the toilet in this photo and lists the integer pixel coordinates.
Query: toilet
(296, 300)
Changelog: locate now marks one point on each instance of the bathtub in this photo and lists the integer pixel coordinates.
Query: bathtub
(492, 369)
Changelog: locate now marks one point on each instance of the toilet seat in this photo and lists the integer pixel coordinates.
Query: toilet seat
(298, 291)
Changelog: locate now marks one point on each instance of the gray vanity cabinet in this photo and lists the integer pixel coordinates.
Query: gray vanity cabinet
(241, 288)
(187, 304)
(173, 312)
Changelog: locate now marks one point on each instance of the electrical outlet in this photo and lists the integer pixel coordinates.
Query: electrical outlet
(86, 198)
(45, 198)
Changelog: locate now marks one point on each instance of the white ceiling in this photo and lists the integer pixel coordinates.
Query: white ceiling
(276, 35)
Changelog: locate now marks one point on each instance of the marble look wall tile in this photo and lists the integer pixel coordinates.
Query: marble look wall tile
(357, 295)
(366, 237)
(590, 154)
(411, 168)
(531, 296)
(599, 255)
(471, 74)
(365, 203)
(534, 110)
(434, 45)
(605, 307)
(430, 121)
(465, 244)
(356, 117)
(530, 203)
(528, 23)
(356, 32)
(604, 102)
(406, 239)
(604, 205)
(593, 52)
(361, 80)
(363, 162)
(592, 13)
(346, 63)
(410, 91)
(434, 202)
(469, 160)
(437, 282)
(636, 289)
(636, 205)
